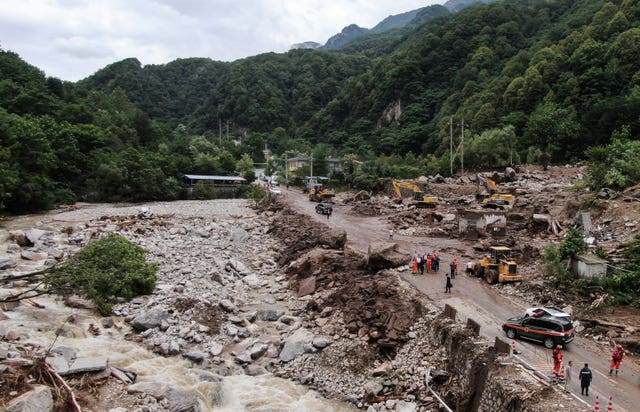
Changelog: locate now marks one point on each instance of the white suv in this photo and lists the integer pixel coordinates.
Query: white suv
(539, 311)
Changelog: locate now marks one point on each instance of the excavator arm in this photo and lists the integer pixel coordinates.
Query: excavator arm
(418, 197)
(495, 200)
(397, 185)
(488, 184)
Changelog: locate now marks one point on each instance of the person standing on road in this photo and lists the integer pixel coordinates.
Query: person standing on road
(470, 266)
(390, 234)
(616, 359)
(567, 375)
(557, 362)
(585, 379)
(452, 273)
(447, 287)
(435, 261)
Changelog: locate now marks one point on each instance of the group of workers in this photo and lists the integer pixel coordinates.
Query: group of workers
(563, 373)
(429, 261)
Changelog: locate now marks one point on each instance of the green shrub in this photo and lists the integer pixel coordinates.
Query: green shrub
(105, 271)
(256, 194)
(573, 244)
(623, 288)
(203, 191)
(555, 266)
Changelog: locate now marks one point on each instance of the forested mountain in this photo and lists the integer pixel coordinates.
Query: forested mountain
(60, 143)
(457, 5)
(562, 74)
(526, 77)
(412, 18)
(169, 93)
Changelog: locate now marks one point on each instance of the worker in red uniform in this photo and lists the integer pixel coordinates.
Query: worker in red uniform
(557, 361)
(616, 359)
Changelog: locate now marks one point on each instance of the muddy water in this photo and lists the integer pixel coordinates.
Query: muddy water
(239, 393)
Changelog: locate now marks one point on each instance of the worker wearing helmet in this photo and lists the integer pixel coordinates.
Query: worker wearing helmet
(557, 361)
(616, 359)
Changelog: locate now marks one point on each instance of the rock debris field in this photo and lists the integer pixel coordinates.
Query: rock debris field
(239, 292)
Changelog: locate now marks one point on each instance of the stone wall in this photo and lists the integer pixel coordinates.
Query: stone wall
(481, 378)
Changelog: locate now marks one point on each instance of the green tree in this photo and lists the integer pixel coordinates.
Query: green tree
(573, 244)
(104, 271)
(493, 148)
(552, 128)
(245, 167)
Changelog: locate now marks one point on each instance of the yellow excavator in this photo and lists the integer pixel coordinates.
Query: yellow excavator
(418, 199)
(319, 193)
(498, 266)
(494, 200)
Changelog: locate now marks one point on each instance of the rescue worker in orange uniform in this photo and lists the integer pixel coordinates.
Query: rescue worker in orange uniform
(616, 359)
(557, 361)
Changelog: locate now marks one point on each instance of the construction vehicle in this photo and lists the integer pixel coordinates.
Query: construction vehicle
(494, 200)
(418, 199)
(319, 193)
(498, 266)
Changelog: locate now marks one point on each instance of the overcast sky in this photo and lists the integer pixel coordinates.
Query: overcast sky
(72, 39)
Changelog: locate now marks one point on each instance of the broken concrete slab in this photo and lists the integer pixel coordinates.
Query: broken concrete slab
(78, 365)
(155, 389)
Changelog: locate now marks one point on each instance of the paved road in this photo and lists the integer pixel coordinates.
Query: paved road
(474, 298)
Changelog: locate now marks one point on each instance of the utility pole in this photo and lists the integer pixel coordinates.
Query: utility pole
(311, 166)
(227, 130)
(220, 131)
(462, 151)
(451, 146)
(286, 170)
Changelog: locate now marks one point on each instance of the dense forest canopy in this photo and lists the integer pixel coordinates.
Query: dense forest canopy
(527, 78)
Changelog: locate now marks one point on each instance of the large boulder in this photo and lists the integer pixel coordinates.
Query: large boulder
(182, 401)
(384, 255)
(307, 286)
(313, 261)
(20, 238)
(7, 264)
(334, 239)
(269, 314)
(295, 344)
(39, 399)
(151, 319)
(34, 235)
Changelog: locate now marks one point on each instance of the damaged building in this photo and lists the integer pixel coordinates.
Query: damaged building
(474, 224)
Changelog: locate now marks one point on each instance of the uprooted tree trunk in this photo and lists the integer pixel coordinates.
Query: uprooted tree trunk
(37, 290)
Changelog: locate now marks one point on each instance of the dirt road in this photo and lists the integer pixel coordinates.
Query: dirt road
(484, 303)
